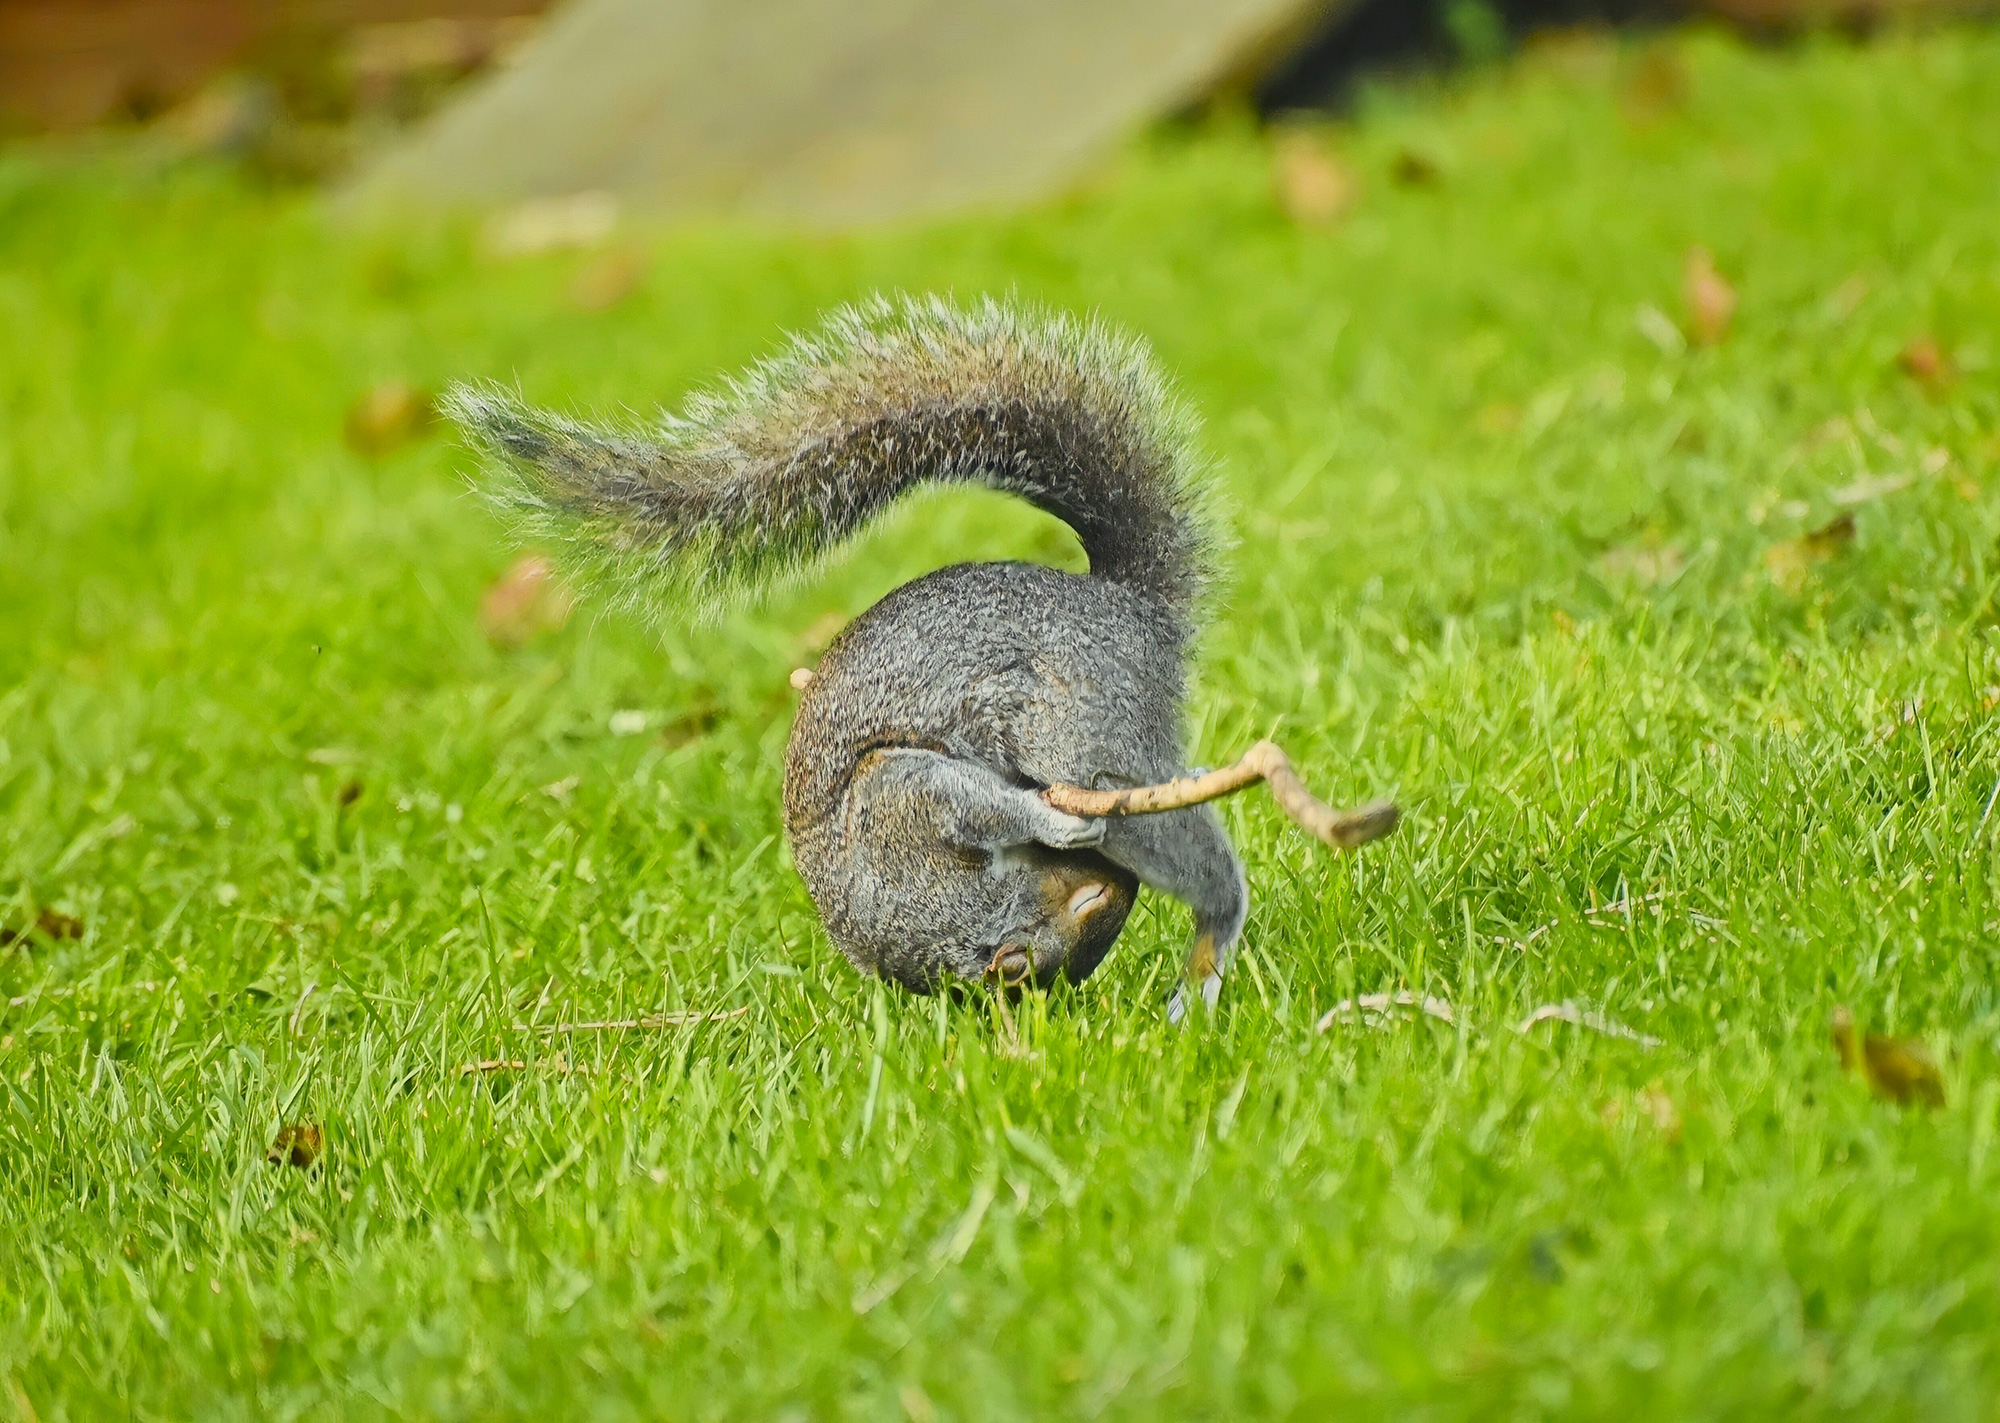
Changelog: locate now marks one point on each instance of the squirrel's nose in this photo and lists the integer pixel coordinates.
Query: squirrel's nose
(1011, 966)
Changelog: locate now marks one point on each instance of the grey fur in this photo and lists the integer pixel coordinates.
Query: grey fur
(760, 479)
(912, 773)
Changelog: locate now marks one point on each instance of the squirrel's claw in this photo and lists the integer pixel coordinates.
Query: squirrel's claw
(1204, 971)
(1209, 990)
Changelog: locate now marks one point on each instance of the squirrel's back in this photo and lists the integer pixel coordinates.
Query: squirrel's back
(764, 476)
(1040, 675)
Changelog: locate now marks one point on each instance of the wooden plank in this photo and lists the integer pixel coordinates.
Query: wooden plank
(830, 115)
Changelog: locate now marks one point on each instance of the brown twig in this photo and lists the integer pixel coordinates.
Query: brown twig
(1342, 829)
(1584, 1018)
(658, 1020)
(557, 1064)
(1373, 1008)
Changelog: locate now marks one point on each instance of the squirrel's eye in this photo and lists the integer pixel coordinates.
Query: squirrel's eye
(1089, 899)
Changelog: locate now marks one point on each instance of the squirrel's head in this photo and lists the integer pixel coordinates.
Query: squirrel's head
(1069, 907)
(1028, 915)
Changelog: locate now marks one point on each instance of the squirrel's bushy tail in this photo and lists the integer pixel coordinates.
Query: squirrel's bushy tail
(761, 478)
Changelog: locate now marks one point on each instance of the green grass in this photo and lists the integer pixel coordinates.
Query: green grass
(1452, 458)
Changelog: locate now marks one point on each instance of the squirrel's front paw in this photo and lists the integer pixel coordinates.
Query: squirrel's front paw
(1070, 832)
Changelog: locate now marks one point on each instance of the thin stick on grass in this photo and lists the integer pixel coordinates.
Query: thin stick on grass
(658, 1020)
(1342, 829)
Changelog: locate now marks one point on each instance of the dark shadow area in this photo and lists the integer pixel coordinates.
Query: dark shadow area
(1413, 36)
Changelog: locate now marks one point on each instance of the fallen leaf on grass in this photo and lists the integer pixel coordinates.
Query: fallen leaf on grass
(689, 726)
(1583, 1018)
(1373, 1008)
(1789, 562)
(1656, 87)
(1710, 300)
(526, 600)
(50, 924)
(1928, 363)
(299, 1144)
(1413, 169)
(57, 925)
(1314, 188)
(389, 417)
(1899, 1070)
(609, 279)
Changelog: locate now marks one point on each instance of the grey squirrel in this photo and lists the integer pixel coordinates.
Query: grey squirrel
(934, 721)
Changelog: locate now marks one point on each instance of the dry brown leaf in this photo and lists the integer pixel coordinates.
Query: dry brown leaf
(1899, 1070)
(1710, 300)
(50, 924)
(1789, 563)
(1928, 363)
(609, 279)
(1656, 87)
(1314, 187)
(689, 727)
(1413, 169)
(1579, 54)
(526, 600)
(1374, 1008)
(389, 417)
(298, 1144)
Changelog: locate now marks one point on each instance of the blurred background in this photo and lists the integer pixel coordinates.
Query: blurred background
(826, 114)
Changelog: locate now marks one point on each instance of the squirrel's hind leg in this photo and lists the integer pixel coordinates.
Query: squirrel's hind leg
(1186, 853)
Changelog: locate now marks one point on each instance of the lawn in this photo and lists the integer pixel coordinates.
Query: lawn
(1672, 748)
